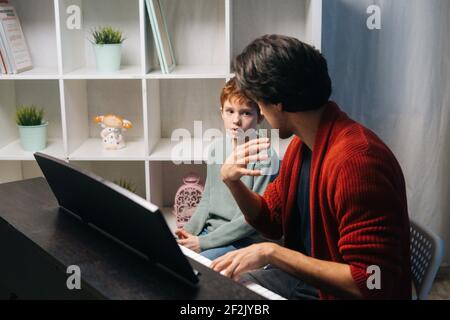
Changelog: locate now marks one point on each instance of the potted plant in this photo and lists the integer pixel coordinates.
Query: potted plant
(32, 127)
(126, 184)
(107, 44)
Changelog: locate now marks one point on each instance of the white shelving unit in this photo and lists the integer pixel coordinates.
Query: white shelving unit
(206, 35)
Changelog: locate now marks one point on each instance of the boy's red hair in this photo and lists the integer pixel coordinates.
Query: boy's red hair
(230, 92)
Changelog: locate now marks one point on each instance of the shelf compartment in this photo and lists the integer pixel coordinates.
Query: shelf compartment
(42, 93)
(78, 58)
(177, 104)
(166, 178)
(37, 19)
(198, 36)
(132, 171)
(86, 99)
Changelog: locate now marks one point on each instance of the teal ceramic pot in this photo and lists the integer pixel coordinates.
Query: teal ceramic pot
(33, 138)
(108, 57)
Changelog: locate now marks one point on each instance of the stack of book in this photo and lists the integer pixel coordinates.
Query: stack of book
(14, 54)
(161, 36)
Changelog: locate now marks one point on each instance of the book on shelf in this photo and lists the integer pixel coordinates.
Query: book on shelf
(2, 61)
(3, 69)
(13, 47)
(161, 36)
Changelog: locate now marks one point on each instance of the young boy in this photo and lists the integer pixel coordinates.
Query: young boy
(218, 226)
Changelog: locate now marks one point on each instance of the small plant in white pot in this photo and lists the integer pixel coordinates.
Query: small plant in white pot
(32, 127)
(126, 184)
(107, 44)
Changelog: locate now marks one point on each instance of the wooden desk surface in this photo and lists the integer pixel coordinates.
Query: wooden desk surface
(38, 242)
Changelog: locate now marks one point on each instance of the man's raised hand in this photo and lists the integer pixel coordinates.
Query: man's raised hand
(235, 165)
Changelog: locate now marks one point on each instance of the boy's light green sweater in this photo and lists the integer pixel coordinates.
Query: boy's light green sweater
(217, 210)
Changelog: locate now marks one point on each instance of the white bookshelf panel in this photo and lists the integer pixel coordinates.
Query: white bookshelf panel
(254, 18)
(131, 171)
(86, 99)
(37, 73)
(8, 128)
(78, 56)
(42, 93)
(37, 19)
(125, 72)
(197, 32)
(14, 151)
(177, 104)
(91, 149)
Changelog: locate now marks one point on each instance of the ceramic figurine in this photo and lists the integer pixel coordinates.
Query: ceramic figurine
(187, 198)
(113, 125)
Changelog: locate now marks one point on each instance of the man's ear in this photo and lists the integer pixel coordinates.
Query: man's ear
(260, 118)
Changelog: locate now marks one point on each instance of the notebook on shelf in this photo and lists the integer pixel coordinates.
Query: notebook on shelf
(161, 36)
(13, 48)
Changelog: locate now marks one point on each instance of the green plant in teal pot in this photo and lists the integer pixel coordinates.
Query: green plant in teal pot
(107, 44)
(32, 128)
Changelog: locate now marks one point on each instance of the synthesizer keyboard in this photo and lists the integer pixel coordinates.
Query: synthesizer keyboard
(252, 286)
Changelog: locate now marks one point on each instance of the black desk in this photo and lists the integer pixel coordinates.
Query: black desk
(38, 242)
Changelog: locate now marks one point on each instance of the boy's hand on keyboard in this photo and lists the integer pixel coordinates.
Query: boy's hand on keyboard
(182, 234)
(234, 263)
(188, 240)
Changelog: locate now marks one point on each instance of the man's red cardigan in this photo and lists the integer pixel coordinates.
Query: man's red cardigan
(358, 205)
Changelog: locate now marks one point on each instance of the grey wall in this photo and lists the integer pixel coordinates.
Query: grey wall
(396, 81)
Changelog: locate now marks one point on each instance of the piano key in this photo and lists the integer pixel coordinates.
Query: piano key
(251, 286)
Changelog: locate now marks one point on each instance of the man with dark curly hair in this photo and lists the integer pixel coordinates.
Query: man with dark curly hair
(339, 200)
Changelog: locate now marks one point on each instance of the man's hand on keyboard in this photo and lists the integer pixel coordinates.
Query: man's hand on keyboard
(188, 240)
(234, 263)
